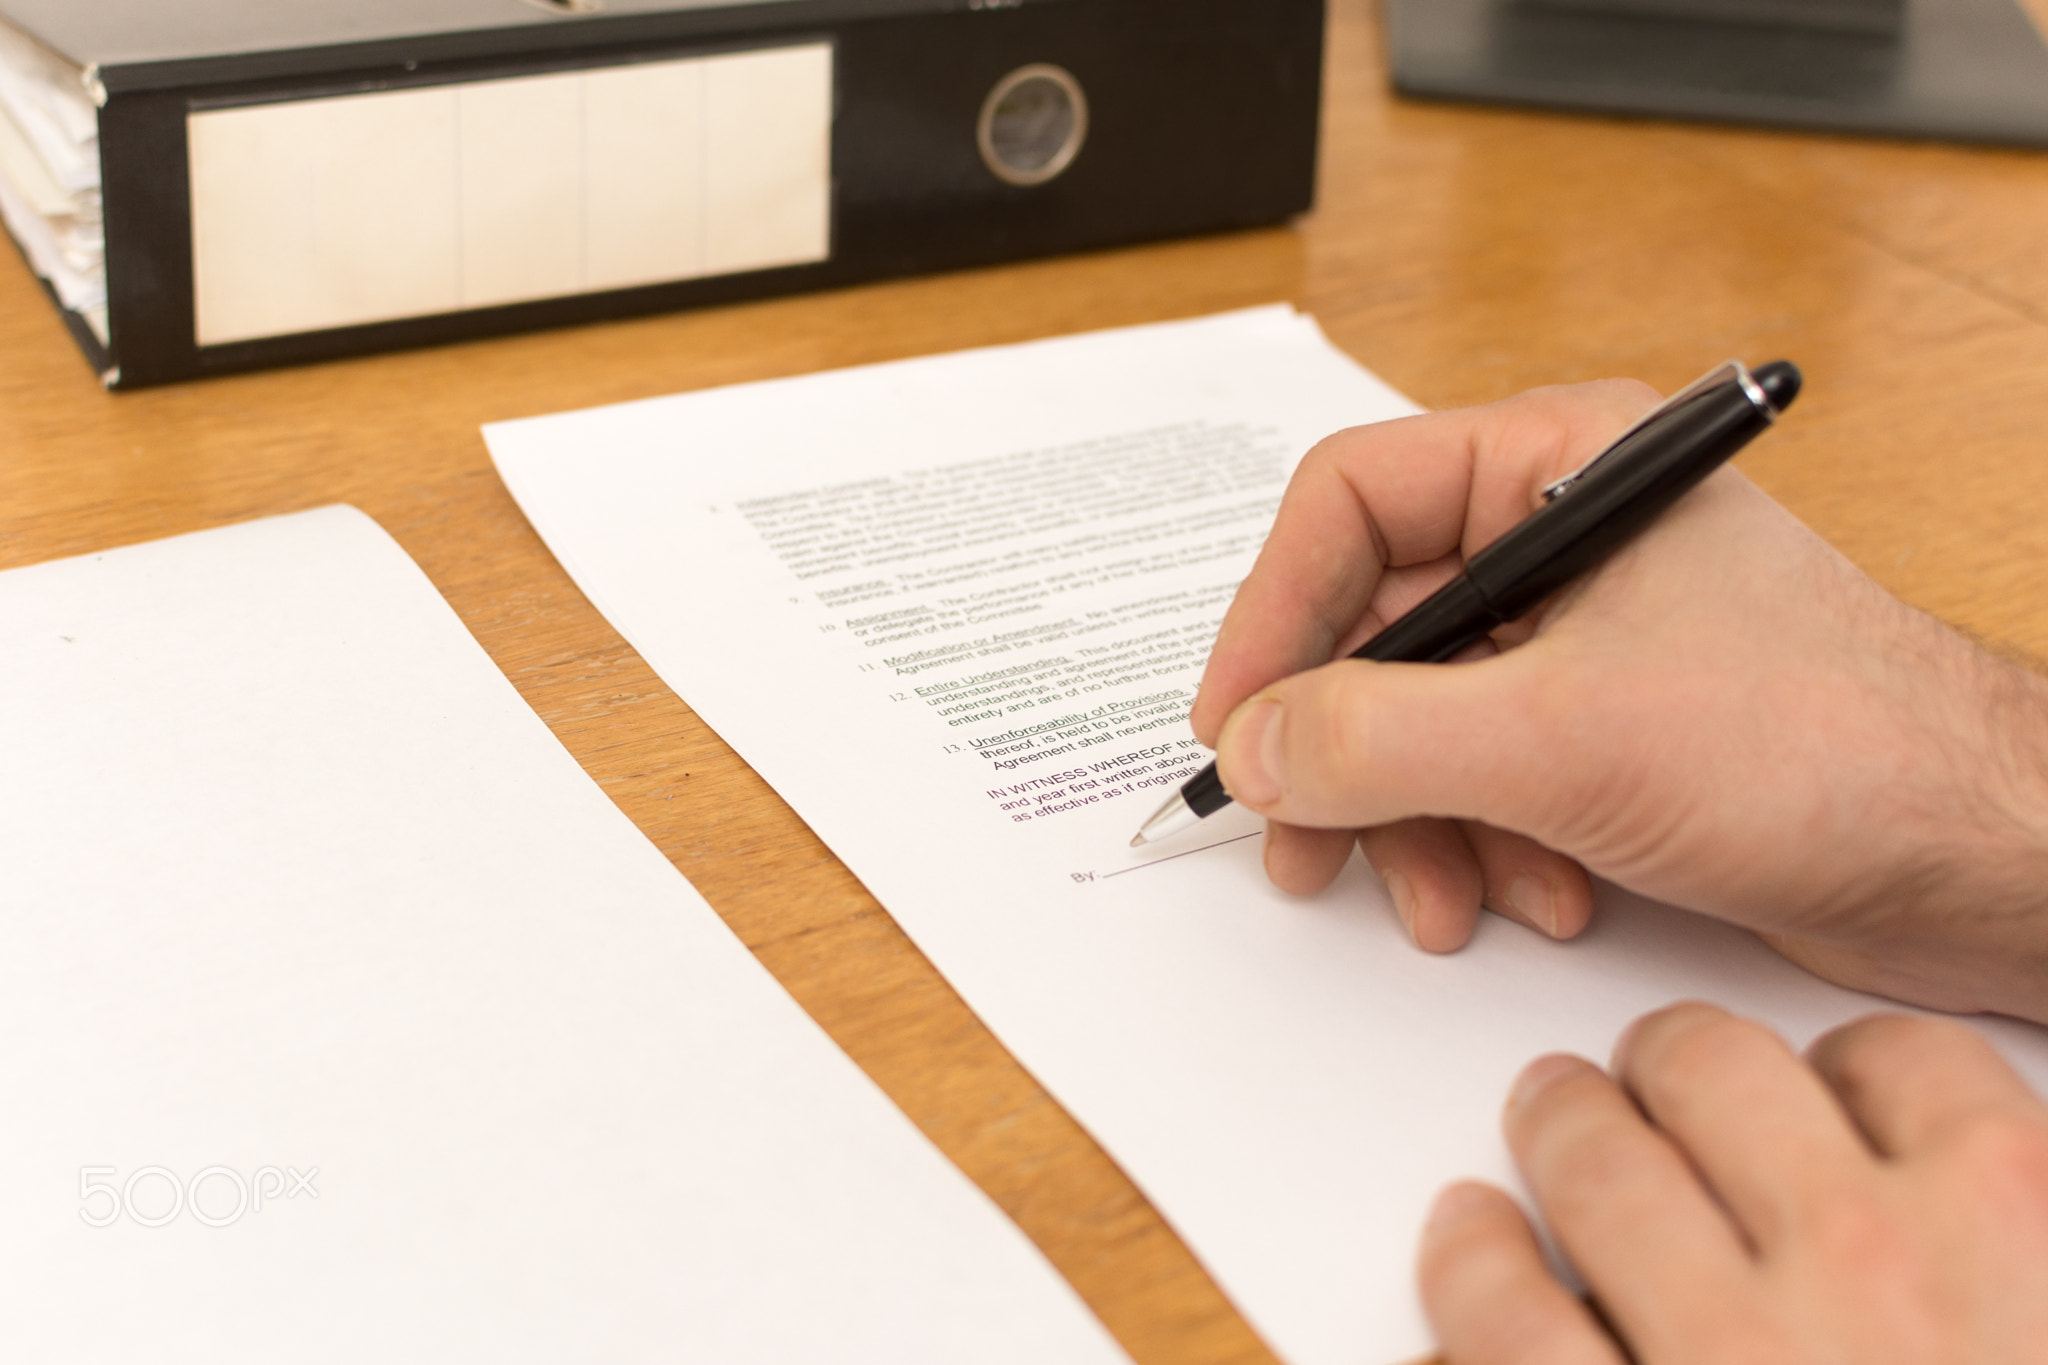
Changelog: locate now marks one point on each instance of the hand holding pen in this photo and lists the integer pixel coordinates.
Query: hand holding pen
(1586, 515)
(1728, 716)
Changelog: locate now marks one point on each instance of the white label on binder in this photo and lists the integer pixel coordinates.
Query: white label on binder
(354, 209)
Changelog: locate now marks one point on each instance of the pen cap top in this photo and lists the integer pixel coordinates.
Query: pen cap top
(1780, 381)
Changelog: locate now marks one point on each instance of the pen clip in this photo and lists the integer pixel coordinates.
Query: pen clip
(1730, 371)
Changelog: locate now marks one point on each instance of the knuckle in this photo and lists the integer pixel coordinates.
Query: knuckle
(1552, 700)
(1861, 1048)
(1614, 400)
(1624, 395)
(1862, 1058)
(1859, 1236)
(2003, 1160)
(1592, 777)
(1749, 1341)
(1876, 1255)
(1876, 1040)
(1332, 449)
(1586, 1175)
(1466, 1250)
(1335, 745)
(1689, 1045)
(1523, 1332)
(1678, 1040)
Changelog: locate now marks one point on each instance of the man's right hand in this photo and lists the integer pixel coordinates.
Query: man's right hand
(1728, 716)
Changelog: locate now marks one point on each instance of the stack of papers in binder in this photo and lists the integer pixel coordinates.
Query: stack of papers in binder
(50, 175)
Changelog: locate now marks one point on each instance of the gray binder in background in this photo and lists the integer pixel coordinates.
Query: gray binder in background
(1962, 70)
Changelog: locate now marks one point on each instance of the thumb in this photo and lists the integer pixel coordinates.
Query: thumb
(1356, 744)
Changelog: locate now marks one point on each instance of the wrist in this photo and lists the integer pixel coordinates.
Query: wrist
(1944, 901)
(1992, 886)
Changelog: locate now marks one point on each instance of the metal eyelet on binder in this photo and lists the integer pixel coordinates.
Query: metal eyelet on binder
(1033, 124)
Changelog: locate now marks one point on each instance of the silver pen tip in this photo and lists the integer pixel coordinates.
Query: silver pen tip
(1169, 820)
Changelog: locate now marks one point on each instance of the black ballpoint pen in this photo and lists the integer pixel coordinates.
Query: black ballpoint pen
(1588, 515)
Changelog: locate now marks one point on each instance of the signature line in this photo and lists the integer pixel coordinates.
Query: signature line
(1189, 854)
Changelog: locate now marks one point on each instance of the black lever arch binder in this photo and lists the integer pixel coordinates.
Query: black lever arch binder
(283, 181)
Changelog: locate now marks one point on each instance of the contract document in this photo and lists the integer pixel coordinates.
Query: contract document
(343, 1018)
(955, 610)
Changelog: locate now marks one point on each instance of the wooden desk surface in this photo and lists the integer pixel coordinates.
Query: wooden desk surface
(1462, 253)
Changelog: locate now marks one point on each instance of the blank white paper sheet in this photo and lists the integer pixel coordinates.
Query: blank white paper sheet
(343, 1018)
(954, 610)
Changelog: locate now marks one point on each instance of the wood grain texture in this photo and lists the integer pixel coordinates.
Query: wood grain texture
(1463, 253)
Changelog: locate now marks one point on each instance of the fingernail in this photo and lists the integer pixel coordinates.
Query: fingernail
(1454, 1204)
(1540, 1075)
(1402, 893)
(1254, 747)
(1532, 898)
